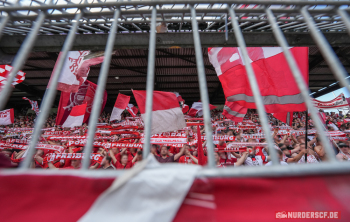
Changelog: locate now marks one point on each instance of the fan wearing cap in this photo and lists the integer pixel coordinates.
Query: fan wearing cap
(344, 155)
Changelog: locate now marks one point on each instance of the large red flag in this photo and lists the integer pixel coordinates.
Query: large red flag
(120, 105)
(7, 117)
(197, 109)
(85, 94)
(75, 70)
(76, 116)
(234, 111)
(286, 117)
(166, 112)
(276, 83)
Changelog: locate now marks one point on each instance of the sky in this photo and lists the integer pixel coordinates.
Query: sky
(332, 95)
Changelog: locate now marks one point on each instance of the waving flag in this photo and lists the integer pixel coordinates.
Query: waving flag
(120, 105)
(132, 110)
(7, 117)
(185, 108)
(286, 117)
(234, 111)
(276, 83)
(179, 98)
(5, 71)
(76, 116)
(34, 105)
(85, 94)
(197, 109)
(166, 113)
(75, 70)
(337, 102)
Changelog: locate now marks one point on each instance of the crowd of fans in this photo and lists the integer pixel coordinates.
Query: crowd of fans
(291, 148)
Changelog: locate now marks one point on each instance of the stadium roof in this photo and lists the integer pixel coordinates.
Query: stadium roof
(175, 57)
(175, 71)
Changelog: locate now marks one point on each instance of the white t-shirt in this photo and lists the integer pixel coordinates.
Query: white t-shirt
(257, 161)
(310, 159)
(281, 162)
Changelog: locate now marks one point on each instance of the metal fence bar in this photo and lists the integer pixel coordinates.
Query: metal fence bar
(203, 89)
(3, 24)
(255, 88)
(150, 84)
(346, 19)
(50, 94)
(326, 50)
(20, 59)
(101, 85)
(300, 82)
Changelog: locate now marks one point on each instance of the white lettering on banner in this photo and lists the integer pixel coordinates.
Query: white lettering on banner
(217, 138)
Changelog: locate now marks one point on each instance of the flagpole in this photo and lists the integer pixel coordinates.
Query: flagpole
(306, 123)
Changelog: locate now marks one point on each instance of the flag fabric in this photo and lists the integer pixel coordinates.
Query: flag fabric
(76, 116)
(185, 108)
(179, 98)
(7, 117)
(85, 94)
(286, 117)
(197, 109)
(34, 105)
(276, 83)
(166, 112)
(323, 117)
(5, 71)
(75, 70)
(234, 111)
(120, 105)
(68, 80)
(337, 102)
(132, 110)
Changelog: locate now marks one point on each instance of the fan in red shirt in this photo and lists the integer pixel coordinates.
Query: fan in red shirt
(124, 161)
(188, 158)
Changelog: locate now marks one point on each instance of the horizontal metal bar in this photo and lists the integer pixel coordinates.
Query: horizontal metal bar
(234, 172)
(161, 2)
(53, 43)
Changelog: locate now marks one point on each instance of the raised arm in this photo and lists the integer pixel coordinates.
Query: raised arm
(177, 156)
(241, 160)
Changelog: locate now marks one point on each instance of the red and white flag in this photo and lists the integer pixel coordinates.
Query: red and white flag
(75, 70)
(7, 117)
(166, 113)
(34, 105)
(234, 111)
(276, 83)
(179, 98)
(5, 71)
(76, 116)
(286, 117)
(197, 109)
(85, 94)
(337, 102)
(185, 108)
(120, 105)
(132, 110)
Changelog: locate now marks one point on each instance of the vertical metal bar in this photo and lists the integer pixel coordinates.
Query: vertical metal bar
(3, 24)
(255, 88)
(101, 85)
(20, 59)
(346, 19)
(305, 92)
(150, 83)
(50, 93)
(203, 88)
(328, 54)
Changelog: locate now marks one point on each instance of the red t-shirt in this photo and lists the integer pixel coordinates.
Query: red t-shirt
(118, 165)
(186, 160)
